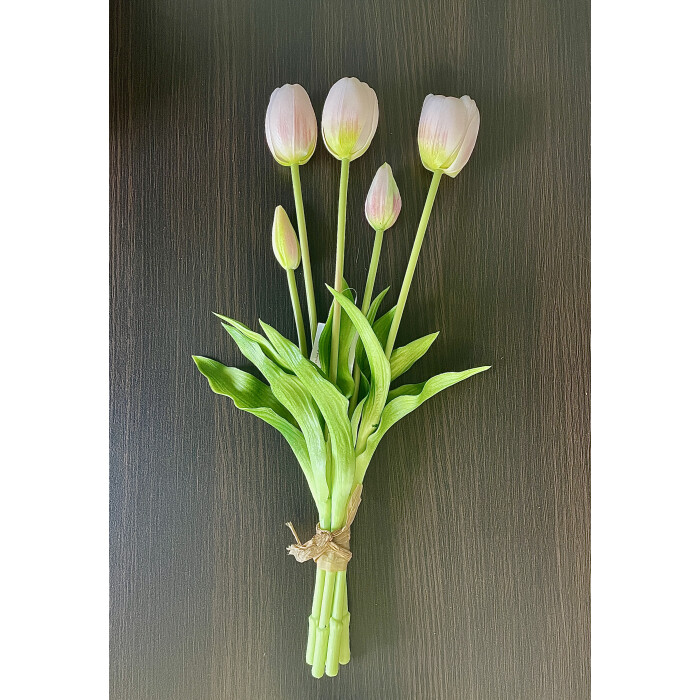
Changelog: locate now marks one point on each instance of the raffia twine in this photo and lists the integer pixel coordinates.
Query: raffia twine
(329, 549)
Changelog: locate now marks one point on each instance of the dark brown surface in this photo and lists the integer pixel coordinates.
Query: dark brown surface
(471, 570)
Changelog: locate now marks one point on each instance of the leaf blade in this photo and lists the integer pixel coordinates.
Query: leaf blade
(253, 396)
(380, 369)
(292, 394)
(405, 400)
(403, 358)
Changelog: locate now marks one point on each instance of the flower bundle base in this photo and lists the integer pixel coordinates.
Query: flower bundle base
(333, 412)
(329, 623)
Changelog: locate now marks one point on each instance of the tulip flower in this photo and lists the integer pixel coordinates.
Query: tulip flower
(291, 132)
(348, 124)
(446, 136)
(447, 132)
(286, 249)
(349, 119)
(383, 202)
(382, 208)
(290, 125)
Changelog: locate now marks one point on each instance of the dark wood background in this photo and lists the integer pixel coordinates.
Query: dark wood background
(471, 570)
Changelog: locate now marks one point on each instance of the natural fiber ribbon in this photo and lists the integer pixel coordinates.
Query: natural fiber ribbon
(330, 550)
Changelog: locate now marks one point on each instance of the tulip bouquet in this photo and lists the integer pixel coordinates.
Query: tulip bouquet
(330, 395)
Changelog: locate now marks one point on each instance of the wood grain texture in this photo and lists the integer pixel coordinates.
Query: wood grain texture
(471, 570)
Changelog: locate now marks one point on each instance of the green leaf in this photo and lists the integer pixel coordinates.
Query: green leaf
(251, 395)
(381, 330)
(401, 402)
(403, 358)
(360, 357)
(344, 379)
(357, 414)
(293, 395)
(334, 408)
(382, 325)
(255, 337)
(247, 391)
(380, 370)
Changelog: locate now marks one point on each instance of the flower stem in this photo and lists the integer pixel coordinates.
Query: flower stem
(315, 614)
(366, 302)
(410, 269)
(294, 294)
(322, 633)
(304, 242)
(336, 625)
(344, 656)
(339, 262)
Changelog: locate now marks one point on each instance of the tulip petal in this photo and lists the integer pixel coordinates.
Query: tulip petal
(290, 125)
(443, 126)
(469, 141)
(349, 118)
(383, 203)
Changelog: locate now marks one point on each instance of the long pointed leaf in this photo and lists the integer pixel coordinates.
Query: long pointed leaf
(360, 357)
(403, 358)
(251, 395)
(334, 408)
(255, 337)
(293, 395)
(381, 330)
(344, 379)
(380, 369)
(408, 399)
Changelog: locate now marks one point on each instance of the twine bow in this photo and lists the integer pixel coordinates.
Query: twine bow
(330, 550)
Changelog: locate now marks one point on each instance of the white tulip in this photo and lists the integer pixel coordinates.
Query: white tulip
(447, 132)
(349, 119)
(290, 125)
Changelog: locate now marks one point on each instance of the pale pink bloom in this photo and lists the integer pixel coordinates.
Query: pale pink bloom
(349, 118)
(290, 125)
(447, 132)
(284, 241)
(383, 202)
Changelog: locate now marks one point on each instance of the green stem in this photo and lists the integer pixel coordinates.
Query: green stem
(304, 242)
(408, 277)
(344, 656)
(336, 625)
(322, 633)
(315, 615)
(315, 633)
(294, 294)
(366, 302)
(339, 262)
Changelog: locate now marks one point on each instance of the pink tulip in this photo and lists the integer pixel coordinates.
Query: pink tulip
(284, 241)
(290, 125)
(383, 202)
(447, 132)
(349, 118)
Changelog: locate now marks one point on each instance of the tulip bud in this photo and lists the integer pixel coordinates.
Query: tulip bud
(349, 118)
(383, 202)
(290, 125)
(284, 241)
(447, 132)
